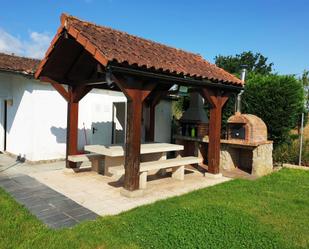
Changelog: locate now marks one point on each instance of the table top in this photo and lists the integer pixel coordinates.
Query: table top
(118, 150)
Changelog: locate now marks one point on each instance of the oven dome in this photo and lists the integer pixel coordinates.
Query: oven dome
(254, 128)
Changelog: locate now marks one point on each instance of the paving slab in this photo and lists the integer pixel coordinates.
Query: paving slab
(51, 207)
(102, 194)
(68, 198)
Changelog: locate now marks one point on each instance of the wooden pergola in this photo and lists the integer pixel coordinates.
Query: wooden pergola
(83, 56)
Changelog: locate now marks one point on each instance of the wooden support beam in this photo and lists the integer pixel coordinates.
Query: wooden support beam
(76, 93)
(216, 99)
(58, 87)
(136, 92)
(73, 95)
(72, 128)
(81, 91)
(133, 141)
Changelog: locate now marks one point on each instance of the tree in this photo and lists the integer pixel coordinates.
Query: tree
(256, 63)
(278, 100)
(305, 82)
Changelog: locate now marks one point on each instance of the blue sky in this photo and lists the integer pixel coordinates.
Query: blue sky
(279, 29)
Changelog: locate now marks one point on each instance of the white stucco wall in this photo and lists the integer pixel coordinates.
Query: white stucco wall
(5, 93)
(36, 122)
(163, 121)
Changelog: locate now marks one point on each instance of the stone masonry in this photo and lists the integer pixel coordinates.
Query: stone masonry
(260, 157)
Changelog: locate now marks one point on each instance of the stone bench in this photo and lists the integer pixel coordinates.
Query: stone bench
(177, 164)
(94, 158)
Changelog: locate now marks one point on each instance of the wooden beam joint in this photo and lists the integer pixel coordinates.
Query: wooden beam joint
(57, 86)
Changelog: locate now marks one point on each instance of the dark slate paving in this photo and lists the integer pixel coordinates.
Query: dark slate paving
(52, 208)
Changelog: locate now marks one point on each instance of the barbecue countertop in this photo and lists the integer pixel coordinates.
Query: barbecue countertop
(232, 142)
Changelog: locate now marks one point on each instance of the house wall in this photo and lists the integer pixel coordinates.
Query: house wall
(5, 93)
(20, 118)
(36, 122)
(163, 121)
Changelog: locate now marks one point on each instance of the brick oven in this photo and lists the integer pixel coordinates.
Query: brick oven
(246, 127)
(246, 146)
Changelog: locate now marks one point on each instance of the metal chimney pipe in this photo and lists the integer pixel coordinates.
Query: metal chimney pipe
(243, 77)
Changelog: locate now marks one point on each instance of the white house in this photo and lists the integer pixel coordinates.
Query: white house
(33, 115)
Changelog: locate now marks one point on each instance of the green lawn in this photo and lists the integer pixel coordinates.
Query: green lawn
(272, 212)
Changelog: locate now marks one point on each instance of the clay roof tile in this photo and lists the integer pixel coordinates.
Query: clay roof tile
(11, 62)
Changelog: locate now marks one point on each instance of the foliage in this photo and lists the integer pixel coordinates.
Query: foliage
(179, 106)
(289, 153)
(227, 111)
(256, 63)
(236, 214)
(305, 82)
(278, 100)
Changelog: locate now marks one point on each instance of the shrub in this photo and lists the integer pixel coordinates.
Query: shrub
(289, 153)
(278, 100)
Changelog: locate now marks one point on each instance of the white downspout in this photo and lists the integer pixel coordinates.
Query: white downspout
(243, 77)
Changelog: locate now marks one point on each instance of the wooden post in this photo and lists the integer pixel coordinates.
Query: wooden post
(216, 99)
(72, 128)
(133, 141)
(73, 95)
(136, 93)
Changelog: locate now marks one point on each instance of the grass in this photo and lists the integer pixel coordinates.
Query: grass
(271, 212)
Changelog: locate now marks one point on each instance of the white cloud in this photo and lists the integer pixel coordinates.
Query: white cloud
(38, 44)
(34, 47)
(9, 43)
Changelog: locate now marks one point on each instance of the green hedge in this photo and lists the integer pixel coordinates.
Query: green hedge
(278, 100)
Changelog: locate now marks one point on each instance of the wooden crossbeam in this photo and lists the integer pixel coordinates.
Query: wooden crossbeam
(58, 87)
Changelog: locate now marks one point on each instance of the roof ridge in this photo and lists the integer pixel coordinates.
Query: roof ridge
(65, 16)
(19, 56)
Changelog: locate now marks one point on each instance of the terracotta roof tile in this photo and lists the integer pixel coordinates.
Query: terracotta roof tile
(18, 64)
(115, 46)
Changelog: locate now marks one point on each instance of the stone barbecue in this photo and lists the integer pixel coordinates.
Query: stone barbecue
(195, 119)
(247, 146)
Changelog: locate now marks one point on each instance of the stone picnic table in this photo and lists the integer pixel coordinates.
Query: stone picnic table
(113, 155)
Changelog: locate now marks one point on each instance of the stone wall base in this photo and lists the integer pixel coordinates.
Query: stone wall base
(256, 160)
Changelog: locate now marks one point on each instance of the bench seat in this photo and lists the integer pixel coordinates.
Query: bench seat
(177, 164)
(94, 158)
(83, 157)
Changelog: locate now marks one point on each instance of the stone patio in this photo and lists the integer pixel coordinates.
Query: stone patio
(101, 194)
